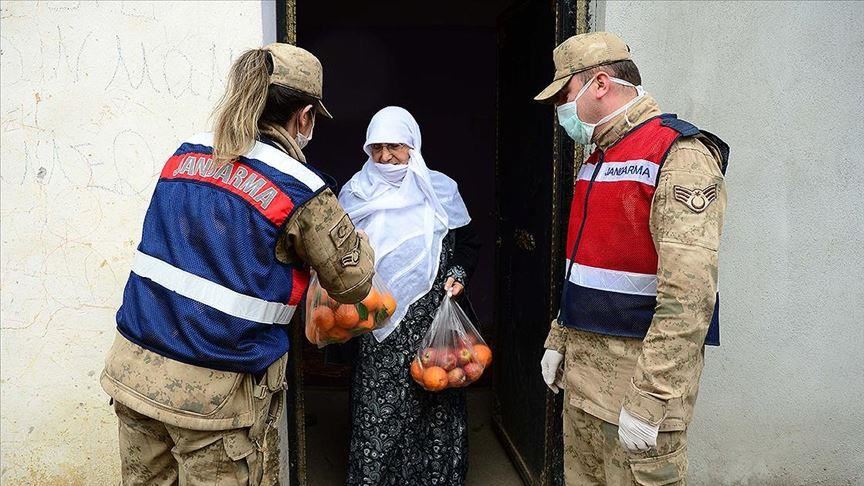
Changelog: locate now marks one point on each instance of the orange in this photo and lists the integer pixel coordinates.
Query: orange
(338, 334)
(323, 318)
(368, 324)
(347, 316)
(389, 304)
(435, 378)
(325, 299)
(373, 300)
(417, 371)
(483, 354)
(312, 333)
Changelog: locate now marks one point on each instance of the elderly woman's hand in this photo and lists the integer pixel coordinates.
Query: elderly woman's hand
(454, 287)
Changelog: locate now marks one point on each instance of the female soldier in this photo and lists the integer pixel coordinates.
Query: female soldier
(198, 366)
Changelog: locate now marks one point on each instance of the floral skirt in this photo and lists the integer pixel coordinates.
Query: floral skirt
(402, 434)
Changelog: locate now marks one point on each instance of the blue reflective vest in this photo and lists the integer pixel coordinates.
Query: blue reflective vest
(206, 288)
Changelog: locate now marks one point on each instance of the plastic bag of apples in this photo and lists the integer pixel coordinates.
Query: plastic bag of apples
(452, 354)
(329, 322)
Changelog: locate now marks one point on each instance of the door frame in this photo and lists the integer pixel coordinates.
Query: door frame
(286, 31)
(571, 18)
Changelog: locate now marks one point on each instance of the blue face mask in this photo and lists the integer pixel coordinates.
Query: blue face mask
(582, 132)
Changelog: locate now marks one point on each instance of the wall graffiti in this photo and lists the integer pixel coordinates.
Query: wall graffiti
(96, 96)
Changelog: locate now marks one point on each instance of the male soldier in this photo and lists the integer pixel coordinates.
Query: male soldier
(197, 370)
(640, 290)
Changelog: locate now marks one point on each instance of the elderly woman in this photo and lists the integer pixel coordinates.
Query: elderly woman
(418, 226)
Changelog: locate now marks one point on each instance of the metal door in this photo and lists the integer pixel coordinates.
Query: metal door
(533, 187)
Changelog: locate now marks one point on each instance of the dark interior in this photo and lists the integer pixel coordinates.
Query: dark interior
(468, 72)
(437, 60)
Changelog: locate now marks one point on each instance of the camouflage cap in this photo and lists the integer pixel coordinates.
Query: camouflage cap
(300, 70)
(580, 53)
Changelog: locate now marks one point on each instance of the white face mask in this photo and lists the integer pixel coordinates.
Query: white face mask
(303, 140)
(578, 130)
(392, 173)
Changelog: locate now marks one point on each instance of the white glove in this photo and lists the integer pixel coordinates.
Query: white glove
(550, 366)
(634, 434)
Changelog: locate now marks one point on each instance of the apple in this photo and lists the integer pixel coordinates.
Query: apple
(447, 360)
(427, 357)
(456, 377)
(473, 371)
(464, 355)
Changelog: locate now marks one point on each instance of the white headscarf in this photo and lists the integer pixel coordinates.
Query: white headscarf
(405, 209)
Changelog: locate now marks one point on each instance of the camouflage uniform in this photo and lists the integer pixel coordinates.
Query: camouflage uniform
(180, 422)
(656, 379)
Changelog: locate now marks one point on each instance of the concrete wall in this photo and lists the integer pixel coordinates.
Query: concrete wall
(95, 96)
(782, 83)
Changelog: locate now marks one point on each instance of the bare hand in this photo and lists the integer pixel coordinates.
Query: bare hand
(455, 288)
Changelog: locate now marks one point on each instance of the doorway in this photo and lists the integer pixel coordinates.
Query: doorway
(467, 72)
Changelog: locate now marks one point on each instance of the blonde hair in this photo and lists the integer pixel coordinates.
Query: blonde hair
(237, 113)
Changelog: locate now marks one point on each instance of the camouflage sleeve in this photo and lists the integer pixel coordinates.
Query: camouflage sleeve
(686, 222)
(556, 340)
(321, 235)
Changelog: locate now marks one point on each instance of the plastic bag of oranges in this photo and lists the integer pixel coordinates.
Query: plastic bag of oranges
(452, 354)
(328, 321)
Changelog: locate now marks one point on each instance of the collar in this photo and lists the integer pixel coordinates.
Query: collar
(280, 136)
(612, 131)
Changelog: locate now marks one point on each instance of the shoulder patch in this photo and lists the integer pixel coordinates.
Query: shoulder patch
(696, 200)
(352, 258)
(341, 231)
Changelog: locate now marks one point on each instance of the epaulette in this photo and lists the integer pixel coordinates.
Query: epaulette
(685, 128)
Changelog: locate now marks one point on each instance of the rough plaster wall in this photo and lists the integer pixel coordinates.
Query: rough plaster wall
(780, 401)
(95, 96)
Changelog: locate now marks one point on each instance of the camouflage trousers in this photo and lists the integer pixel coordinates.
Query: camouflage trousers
(156, 453)
(593, 455)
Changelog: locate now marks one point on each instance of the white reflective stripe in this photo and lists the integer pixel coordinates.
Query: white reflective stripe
(585, 172)
(274, 158)
(210, 293)
(640, 170)
(282, 162)
(613, 280)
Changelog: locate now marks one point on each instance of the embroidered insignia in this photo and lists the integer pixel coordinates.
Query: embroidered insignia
(696, 199)
(341, 231)
(352, 258)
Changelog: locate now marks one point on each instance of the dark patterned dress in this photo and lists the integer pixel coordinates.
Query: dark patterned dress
(402, 434)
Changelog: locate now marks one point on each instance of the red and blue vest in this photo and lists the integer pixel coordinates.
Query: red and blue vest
(206, 288)
(610, 282)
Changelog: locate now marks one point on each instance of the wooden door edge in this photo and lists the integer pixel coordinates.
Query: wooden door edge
(297, 441)
(513, 454)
